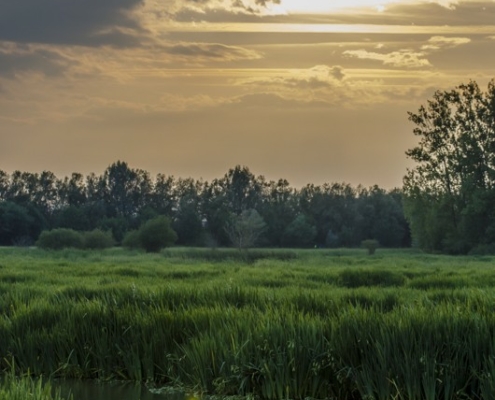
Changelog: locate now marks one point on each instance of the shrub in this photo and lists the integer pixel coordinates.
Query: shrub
(483, 250)
(97, 239)
(61, 238)
(370, 245)
(131, 240)
(156, 234)
(299, 233)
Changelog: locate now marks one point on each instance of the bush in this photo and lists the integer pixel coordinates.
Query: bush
(483, 250)
(370, 245)
(61, 238)
(97, 239)
(131, 240)
(156, 234)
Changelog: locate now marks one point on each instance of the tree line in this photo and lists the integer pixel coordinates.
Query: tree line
(201, 213)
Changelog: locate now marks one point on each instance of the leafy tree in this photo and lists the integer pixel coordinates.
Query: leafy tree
(381, 217)
(245, 229)
(188, 220)
(214, 208)
(449, 194)
(188, 223)
(117, 225)
(4, 185)
(278, 209)
(126, 190)
(242, 189)
(72, 192)
(73, 217)
(299, 233)
(97, 240)
(15, 223)
(331, 207)
(156, 234)
(162, 198)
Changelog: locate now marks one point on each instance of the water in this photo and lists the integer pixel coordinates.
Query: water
(91, 390)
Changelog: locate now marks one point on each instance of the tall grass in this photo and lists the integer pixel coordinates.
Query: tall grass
(14, 388)
(397, 325)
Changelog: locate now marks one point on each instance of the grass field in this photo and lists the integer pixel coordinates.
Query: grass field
(275, 324)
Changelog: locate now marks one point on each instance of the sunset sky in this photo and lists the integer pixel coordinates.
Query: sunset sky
(307, 90)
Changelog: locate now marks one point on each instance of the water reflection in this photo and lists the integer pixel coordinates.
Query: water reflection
(91, 390)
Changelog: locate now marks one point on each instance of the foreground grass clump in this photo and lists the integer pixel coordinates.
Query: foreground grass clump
(321, 324)
(14, 388)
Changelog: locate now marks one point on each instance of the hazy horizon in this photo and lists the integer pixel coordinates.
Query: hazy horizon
(311, 92)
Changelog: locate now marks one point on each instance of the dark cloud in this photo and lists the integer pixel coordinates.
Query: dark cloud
(15, 59)
(80, 22)
(337, 72)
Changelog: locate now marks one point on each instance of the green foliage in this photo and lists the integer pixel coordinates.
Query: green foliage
(483, 249)
(97, 240)
(157, 234)
(245, 229)
(299, 233)
(117, 225)
(14, 388)
(132, 240)
(15, 223)
(323, 324)
(449, 194)
(61, 238)
(371, 245)
(74, 218)
(123, 198)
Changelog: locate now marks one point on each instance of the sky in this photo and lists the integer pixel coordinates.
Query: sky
(312, 91)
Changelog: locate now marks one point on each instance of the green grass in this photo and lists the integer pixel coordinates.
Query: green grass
(14, 388)
(275, 324)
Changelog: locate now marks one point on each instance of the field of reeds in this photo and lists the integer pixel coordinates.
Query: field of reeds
(273, 324)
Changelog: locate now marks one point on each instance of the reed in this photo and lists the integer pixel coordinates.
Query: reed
(398, 325)
(14, 388)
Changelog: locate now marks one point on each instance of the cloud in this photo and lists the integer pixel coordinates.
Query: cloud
(315, 78)
(16, 59)
(409, 58)
(442, 42)
(275, 101)
(81, 22)
(211, 51)
(405, 13)
(402, 58)
(215, 10)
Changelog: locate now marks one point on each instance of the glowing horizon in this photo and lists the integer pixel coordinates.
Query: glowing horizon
(314, 91)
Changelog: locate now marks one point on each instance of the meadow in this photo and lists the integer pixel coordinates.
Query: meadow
(272, 324)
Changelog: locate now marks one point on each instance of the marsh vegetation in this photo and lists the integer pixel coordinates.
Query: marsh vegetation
(280, 324)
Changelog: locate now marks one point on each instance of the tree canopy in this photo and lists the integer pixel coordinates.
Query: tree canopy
(450, 193)
(122, 199)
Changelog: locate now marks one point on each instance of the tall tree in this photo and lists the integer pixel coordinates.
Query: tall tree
(278, 209)
(127, 190)
(450, 191)
(242, 189)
